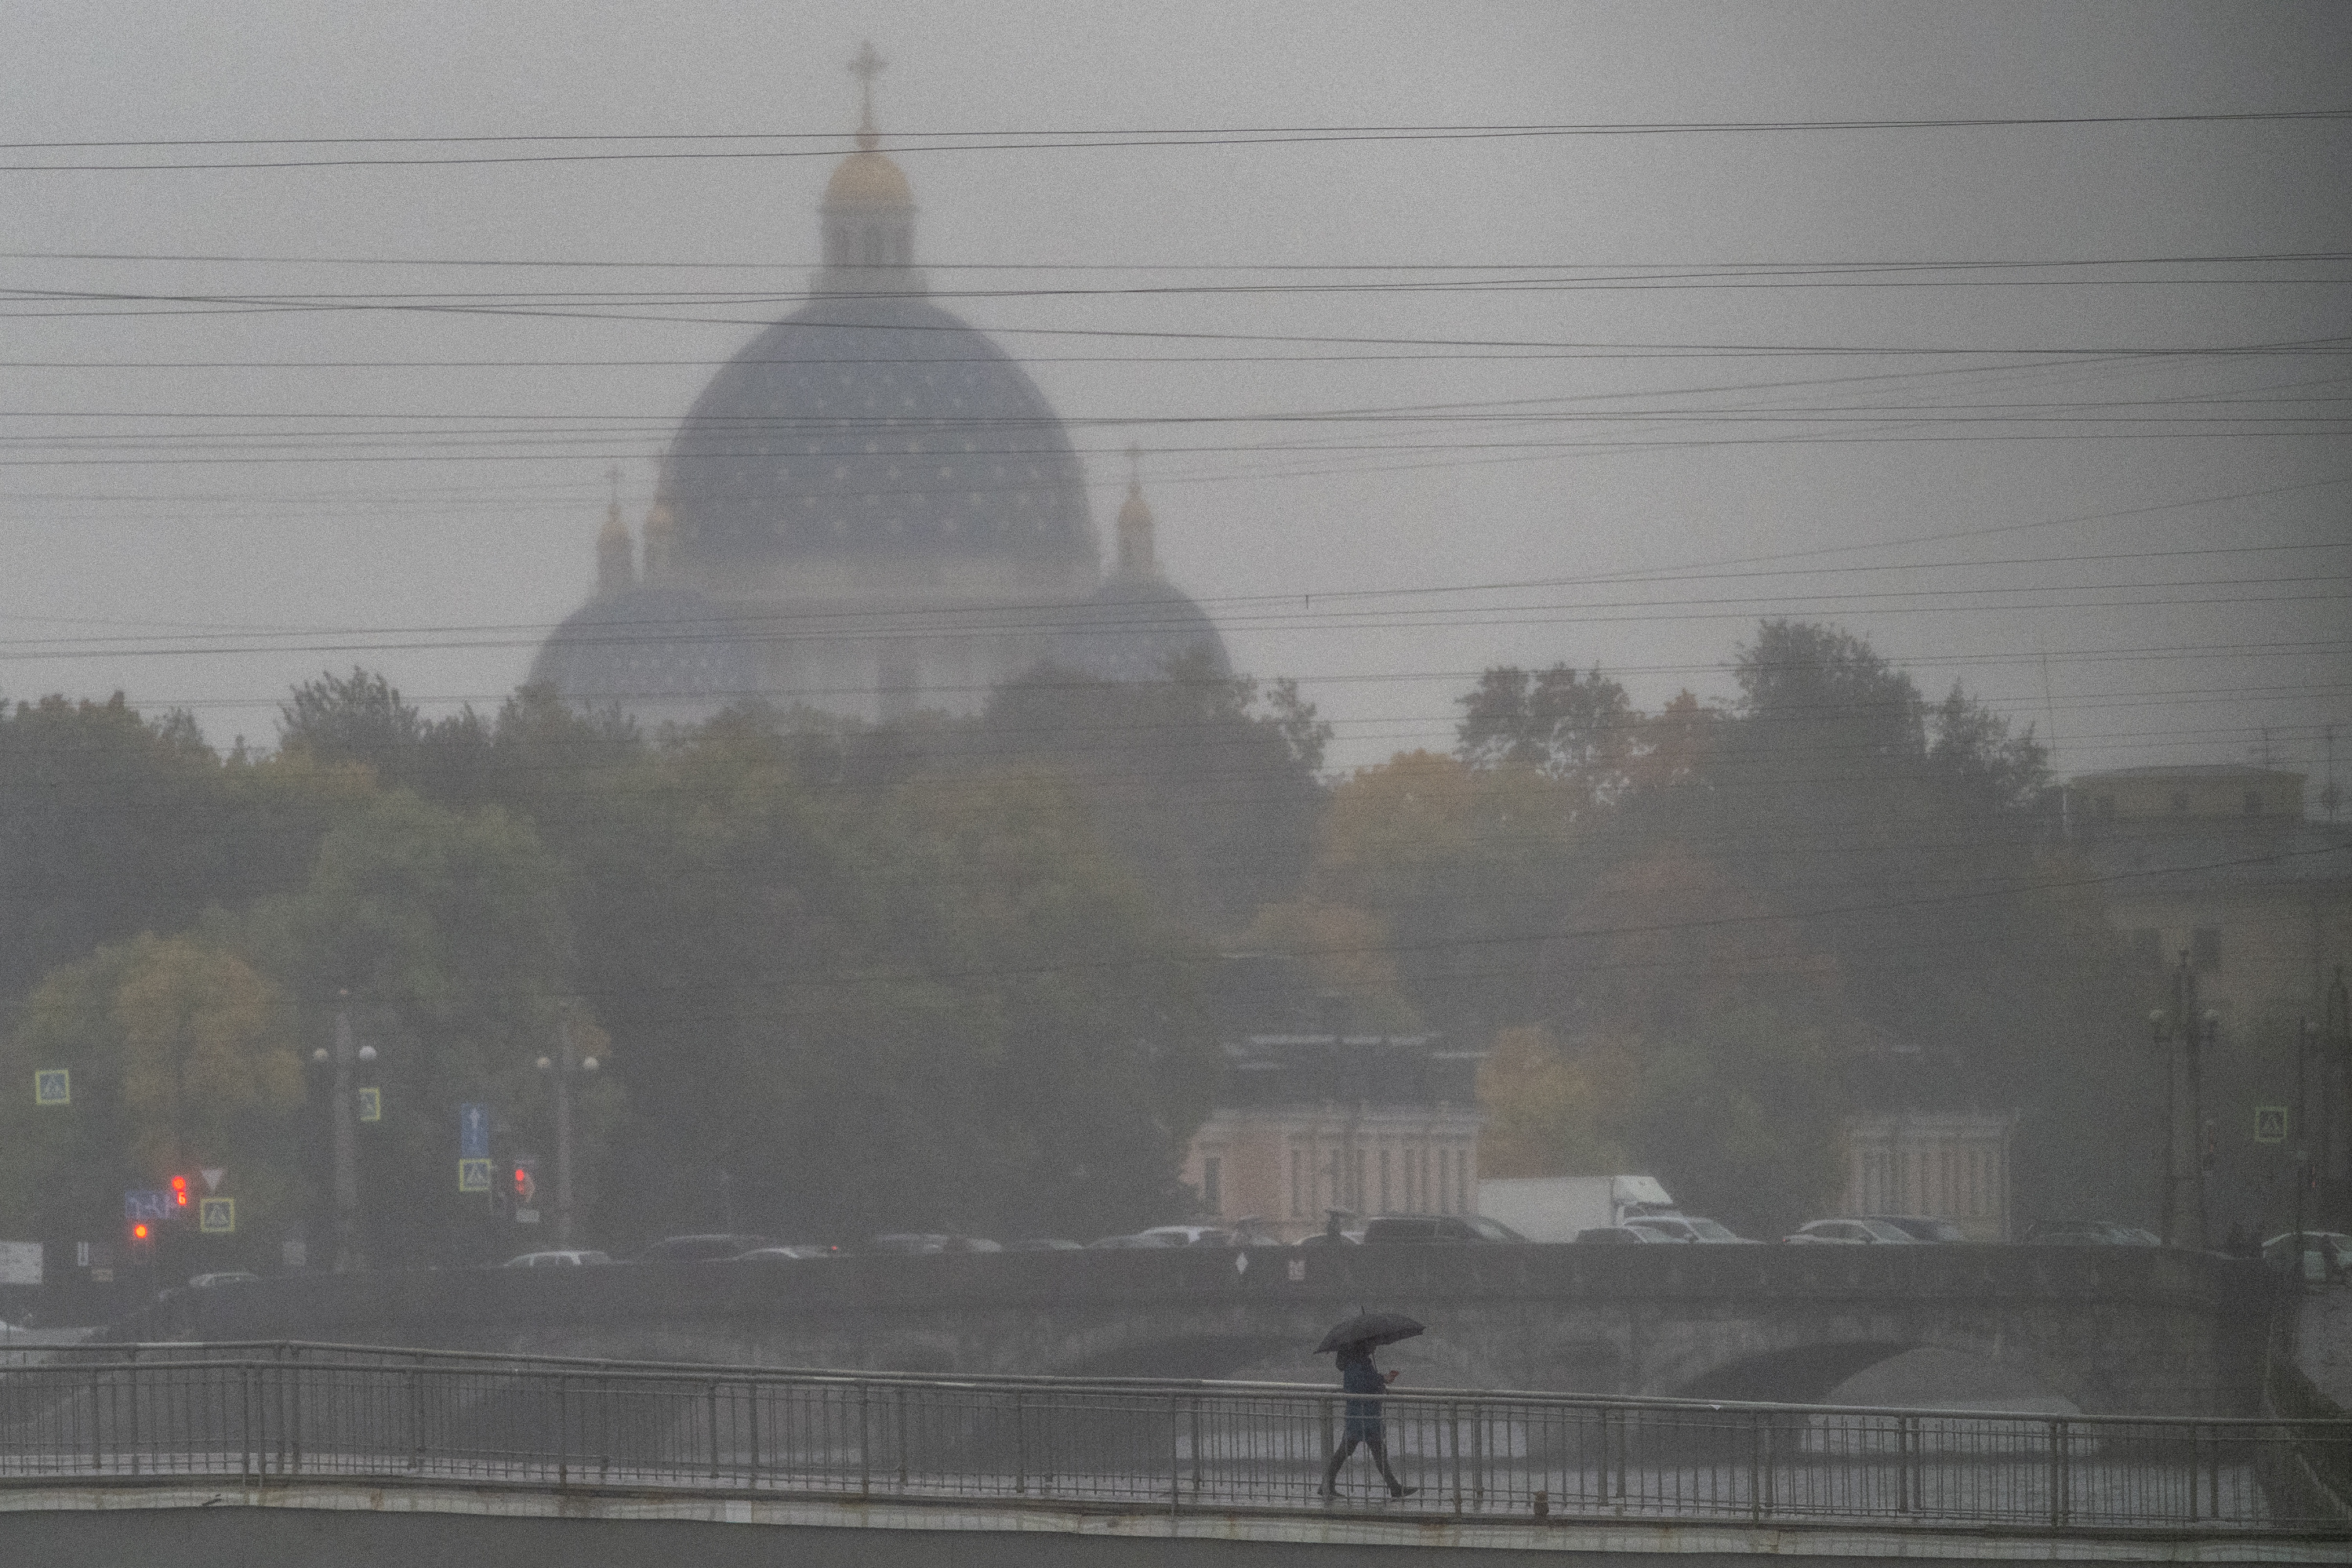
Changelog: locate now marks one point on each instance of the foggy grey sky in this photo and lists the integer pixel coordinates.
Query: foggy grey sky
(123, 518)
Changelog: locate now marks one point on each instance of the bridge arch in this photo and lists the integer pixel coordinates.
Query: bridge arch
(1801, 1369)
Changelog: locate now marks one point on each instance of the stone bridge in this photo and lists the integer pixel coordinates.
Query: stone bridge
(2119, 1330)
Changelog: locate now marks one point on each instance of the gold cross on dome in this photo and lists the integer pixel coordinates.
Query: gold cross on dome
(866, 64)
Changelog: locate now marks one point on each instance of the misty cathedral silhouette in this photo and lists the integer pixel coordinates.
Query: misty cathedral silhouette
(871, 510)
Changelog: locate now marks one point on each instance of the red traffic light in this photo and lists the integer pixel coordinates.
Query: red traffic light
(180, 1191)
(139, 1231)
(525, 1185)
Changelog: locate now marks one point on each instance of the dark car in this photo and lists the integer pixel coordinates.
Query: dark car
(711, 1248)
(1920, 1227)
(1620, 1235)
(1421, 1229)
(2087, 1233)
(904, 1242)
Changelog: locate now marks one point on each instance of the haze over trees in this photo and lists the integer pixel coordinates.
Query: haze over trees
(957, 974)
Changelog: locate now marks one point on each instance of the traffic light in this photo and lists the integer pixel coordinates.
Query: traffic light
(526, 1180)
(143, 1241)
(179, 1192)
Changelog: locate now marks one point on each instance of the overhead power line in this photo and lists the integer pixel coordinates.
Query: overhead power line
(668, 146)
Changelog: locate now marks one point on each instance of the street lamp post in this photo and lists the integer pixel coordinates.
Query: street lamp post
(561, 1067)
(342, 1113)
(2168, 1171)
(2189, 1033)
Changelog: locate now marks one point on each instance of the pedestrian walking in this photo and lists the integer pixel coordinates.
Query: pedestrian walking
(1365, 1426)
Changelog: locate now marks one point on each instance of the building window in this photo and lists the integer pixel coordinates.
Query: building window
(2180, 800)
(1213, 1187)
(2106, 807)
(1297, 1198)
(1356, 1180)
(1384, 1179)
(2253, 804)
(2205, 947)
(2147, 947)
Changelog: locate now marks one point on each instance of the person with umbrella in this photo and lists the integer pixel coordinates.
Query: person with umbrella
(1355, 1340)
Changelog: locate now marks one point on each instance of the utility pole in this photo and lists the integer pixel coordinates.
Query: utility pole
(347, 1162)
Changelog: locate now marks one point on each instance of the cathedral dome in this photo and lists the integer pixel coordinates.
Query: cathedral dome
(1138, 628)
(878, 424)
(648, 643)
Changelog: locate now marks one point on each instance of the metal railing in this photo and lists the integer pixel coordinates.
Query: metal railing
(265, 1414)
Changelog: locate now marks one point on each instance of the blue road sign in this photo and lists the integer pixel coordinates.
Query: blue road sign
(137, 1205)
(473, 1131)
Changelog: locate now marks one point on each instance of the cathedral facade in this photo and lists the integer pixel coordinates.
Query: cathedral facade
(871, 510)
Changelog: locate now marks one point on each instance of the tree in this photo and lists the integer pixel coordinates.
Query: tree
(111, 824)
(1206, 785)
(1561, 724)
(1740, 1115)
(183, 1056)
(446, 939)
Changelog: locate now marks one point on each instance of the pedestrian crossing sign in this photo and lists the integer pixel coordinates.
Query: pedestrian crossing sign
(53, 1086)
(473, 1175)
(217, 1216)
(371, 1105)
(2270, 1123)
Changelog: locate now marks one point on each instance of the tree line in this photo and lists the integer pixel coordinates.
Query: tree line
(960, 974)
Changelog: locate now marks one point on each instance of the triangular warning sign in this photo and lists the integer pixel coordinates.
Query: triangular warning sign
(212, 1175)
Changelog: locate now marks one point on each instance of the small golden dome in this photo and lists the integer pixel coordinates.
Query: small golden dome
(868, 178)
(1136, 511)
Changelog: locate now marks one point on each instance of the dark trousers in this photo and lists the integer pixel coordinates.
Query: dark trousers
(1367, 1433)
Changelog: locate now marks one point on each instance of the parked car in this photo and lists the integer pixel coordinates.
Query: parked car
(1920, 1227)
(1192, 1234)
(2333, 1245)
(905, 1242)
(1852, 1233)
(1044, 1243)
(1691, 1227)
(224, 1277)
(715, 1248)
(566, 1257)
(799, 1253)
(1387, 1229)
(2087, 1233)
(1351, 1235)
(1620, 1235)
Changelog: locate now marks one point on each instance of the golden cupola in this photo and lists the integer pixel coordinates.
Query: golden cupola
(869, 211)
(616, 565)
(1138, 556)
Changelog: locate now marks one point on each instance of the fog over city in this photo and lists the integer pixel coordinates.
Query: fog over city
(991, 721)
(2043, 408)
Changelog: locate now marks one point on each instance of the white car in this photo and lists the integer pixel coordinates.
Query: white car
(1854, 1233)
(573, 1257)
(1687, 1228)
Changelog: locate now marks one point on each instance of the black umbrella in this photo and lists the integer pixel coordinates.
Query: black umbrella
(1368, 1330)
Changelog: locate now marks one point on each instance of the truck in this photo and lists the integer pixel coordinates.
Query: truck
(1554, 1208)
